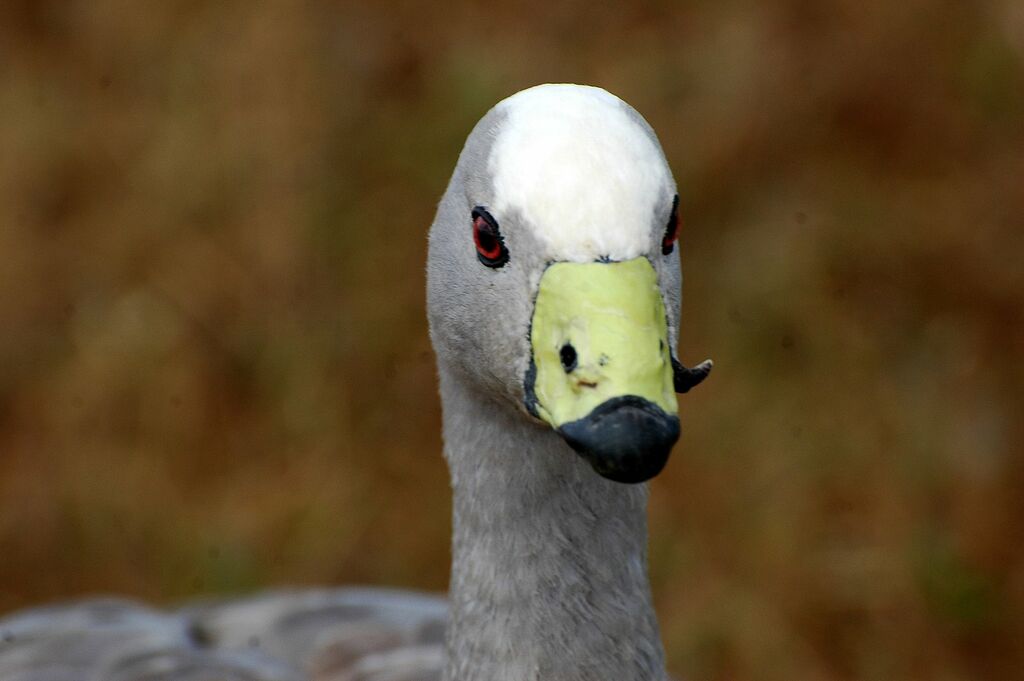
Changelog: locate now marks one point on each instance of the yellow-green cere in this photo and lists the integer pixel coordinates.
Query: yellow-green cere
(613, 317)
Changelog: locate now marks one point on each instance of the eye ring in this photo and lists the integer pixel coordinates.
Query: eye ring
(668, 241)
(490, 245)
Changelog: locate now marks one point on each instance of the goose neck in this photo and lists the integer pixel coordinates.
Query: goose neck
(549, 567)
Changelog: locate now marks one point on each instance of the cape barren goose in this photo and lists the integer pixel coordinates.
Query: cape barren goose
(553, 296)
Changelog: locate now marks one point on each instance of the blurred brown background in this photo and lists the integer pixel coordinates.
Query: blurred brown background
(214, 369)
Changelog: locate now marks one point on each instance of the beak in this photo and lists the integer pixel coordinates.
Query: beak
(602, 374)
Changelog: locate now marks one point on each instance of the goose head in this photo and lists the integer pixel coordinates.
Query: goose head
(554, 278)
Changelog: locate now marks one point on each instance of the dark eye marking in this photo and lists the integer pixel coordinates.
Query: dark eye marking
(490, 245)
(668, 242)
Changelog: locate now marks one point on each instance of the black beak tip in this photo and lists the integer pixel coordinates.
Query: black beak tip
(626, 439)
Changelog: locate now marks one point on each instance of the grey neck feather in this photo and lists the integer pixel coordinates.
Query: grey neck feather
(549, 570)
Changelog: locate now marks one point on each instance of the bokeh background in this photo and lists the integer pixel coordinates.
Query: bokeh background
(215, 375)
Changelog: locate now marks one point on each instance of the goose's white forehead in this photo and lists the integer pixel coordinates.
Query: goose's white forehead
(580, 169)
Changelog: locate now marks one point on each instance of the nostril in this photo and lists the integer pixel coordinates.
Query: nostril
(568, 356)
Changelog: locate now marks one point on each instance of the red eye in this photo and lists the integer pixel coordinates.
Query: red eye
(490, 247)
(668, 241)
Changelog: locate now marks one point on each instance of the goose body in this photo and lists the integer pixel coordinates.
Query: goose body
(553, 300)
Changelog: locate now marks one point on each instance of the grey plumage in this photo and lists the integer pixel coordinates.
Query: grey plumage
(549, 566)
(328, 635)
